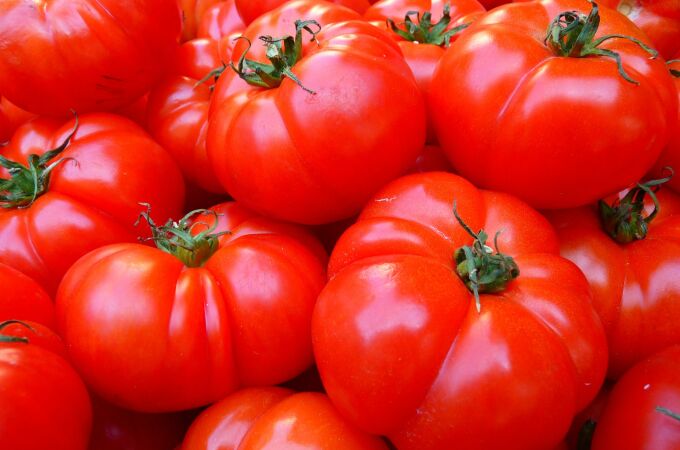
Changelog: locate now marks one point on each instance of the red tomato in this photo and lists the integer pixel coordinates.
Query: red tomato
(210, 320)
(659, 19)
(220, 20)
(36, 333)
(431, 159)
(115, 428)
(192, 15)
(251, 10)
(44, 403)
(275, 418)
(556, 131)
(428, 369)
(671, 155)
(84, 55)
(90, 199)
(11, 117)
(22, 298)
(635, 285)
(300, 170)
(643, 410)
(423, 48)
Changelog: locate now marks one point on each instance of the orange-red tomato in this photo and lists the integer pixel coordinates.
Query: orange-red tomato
(21, 298)
(251, 10)
(11, 117)
(671, 155)
(220, 20)
(192, 15)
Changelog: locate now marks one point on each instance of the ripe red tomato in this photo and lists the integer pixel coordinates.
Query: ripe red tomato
(251, 10)
(557, 131)
(192, 14)
(659, 19)
(83, 55)
(643, 410)
(220, 20)
(300, 170)
(635, 284)
(90, 198)
(671, 155)
(428, 369)
(274, 417)
(36, 333)
(21, 298)
(44, 403)
(183, 330)
(11, 117)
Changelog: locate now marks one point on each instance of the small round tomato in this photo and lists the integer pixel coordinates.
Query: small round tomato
(554, 120)
(643, 409)
(21, 298)
(45, 405)
(251, 10)
(83, 194)
(274, 417)
(185, 324)
(86, 55)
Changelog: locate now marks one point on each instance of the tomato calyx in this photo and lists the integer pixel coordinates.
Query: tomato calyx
(177, 239)
(214, 75)
(481, 269)
(27, 183)
(668, 412)
(283, 53)
(623, 220)
(423, 31)
(572, 34)
(13, 339)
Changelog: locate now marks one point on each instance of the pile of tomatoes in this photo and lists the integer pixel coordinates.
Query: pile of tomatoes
(339, 225)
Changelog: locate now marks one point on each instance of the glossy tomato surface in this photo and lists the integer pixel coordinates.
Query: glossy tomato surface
(635, 286)
(555, 131)
(251, 10)
(423, 358)
(671, 155)
(177, 337)
(93, 195)
(21, 298)
(86, 55)
(11, 117)
(300, 170)
(220, 20)
(192, 15)
(262, 418)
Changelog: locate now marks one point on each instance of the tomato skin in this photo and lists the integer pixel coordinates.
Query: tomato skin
(671, 154)
(630, 420)
(635, 288)
(206, 330)
(220, 20)
(21, 298)
(11, 117)
(299, 171)
(108, 53)
(659, 19)
(38, 335)
(192, 15)
(260, 418)
(41, 420)
(498, 90)
(431, 159)
(92, 200)
(393, 296)
(250, 11)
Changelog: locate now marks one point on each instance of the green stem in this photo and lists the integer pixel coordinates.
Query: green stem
(282, 53)
(14, 339)
(482, 270)
(668, 412)
(423, 31)
(623, 220)
(177, 238)
(27, 183)
(572, 34)
(674, 72)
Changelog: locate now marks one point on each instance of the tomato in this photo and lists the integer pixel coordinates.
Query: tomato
(423, 46)
(192, 15)
(89, 199)
(220, 20)
(36, 333)
(556, 131)
(299, 170)
(115, 428)
(44, 402)
(260, 418)
(635, 287)
(23, 299)
(182, 328)
(671, 155)
(432, 366)
(431, 159)
(251, 10)
(659, 19)
(11, 117)
(643, 410)
(580, 435)
(84, 55)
